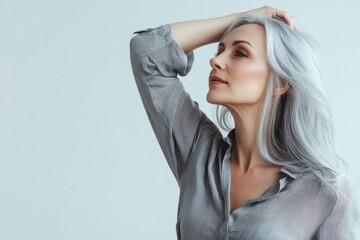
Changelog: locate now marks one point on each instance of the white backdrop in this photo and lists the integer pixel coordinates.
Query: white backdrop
(78, 158)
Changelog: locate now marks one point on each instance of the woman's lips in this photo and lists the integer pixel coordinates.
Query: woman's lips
(216, 80)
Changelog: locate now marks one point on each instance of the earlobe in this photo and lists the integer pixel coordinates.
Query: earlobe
(285, 85)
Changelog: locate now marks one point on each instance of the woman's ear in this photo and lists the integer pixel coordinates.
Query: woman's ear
(284, 86)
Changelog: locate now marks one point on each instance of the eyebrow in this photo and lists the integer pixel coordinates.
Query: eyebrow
(236, 43)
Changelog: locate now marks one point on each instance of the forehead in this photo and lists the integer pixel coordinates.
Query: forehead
(253, 33)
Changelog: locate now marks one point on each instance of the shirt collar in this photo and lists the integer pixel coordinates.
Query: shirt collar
(285, 170)
(230, 137)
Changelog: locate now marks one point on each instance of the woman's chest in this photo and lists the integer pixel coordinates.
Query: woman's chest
(246, 187)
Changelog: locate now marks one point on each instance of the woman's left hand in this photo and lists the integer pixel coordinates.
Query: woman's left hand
(271, 12)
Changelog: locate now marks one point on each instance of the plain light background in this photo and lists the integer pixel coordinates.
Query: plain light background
(78, 158)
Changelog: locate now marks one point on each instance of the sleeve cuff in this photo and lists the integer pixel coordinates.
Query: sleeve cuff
(167, 55)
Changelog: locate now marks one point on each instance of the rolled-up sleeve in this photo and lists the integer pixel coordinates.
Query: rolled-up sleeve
(340, 223)
(176, 119)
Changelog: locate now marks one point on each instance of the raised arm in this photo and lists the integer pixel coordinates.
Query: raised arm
(196, 33)
(158, 56)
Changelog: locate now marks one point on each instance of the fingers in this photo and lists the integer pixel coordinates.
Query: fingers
(281, 15)
(270, 12)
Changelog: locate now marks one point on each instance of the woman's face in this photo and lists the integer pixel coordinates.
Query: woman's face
(241, 62)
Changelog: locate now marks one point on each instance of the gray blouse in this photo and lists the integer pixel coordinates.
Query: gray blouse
(297, 207)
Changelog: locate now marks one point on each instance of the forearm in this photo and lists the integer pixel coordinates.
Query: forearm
(190, 35)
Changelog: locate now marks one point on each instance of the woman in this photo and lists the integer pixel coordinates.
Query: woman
(275, 174)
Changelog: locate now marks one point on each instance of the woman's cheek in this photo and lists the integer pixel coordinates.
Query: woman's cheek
(251, 82)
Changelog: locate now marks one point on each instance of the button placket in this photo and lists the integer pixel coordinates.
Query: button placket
(225, 188)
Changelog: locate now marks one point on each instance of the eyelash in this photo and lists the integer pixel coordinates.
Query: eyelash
(237, 53)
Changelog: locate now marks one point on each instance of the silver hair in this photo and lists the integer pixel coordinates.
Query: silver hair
(296, 128)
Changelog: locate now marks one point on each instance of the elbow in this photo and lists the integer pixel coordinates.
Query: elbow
(142, 43)
(135, 46)
(137, 51)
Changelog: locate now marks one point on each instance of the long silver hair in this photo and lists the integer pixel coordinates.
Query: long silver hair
(296, 128)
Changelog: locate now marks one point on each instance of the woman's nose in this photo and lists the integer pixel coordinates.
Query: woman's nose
(215, 63)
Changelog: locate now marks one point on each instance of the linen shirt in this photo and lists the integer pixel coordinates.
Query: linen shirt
(297, 207)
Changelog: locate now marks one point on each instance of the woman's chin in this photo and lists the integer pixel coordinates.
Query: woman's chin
(210, 99)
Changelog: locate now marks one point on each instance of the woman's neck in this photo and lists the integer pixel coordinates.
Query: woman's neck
(245, 150)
